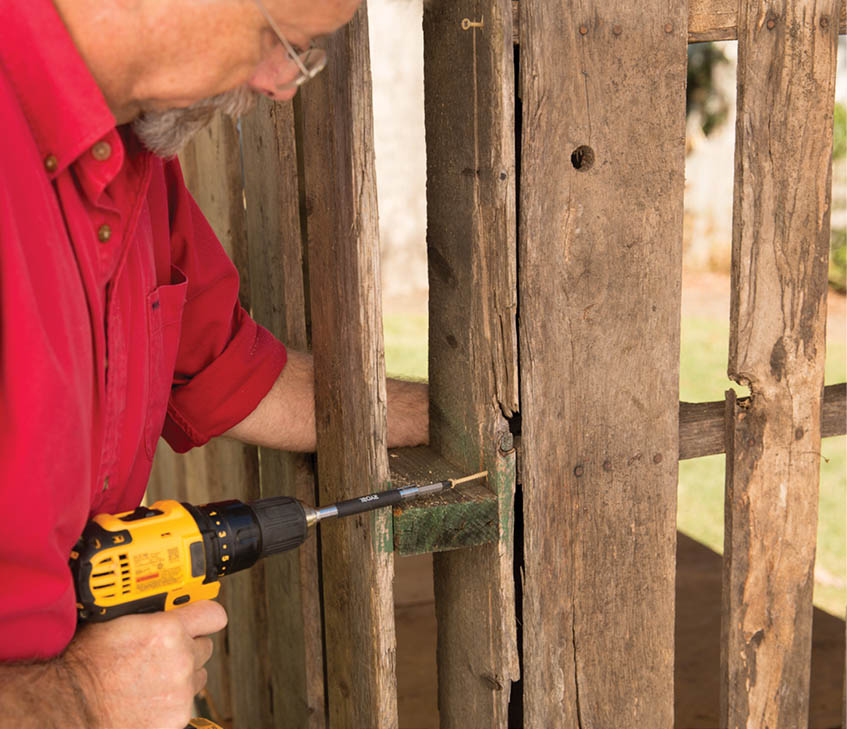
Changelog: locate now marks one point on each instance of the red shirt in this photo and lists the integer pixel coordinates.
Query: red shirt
(119, 322)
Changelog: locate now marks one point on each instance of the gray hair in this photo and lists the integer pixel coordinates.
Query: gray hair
(165, 133)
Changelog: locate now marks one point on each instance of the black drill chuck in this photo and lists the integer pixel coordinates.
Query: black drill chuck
(236, 534)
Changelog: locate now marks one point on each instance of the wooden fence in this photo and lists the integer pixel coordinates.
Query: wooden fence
(555, 173)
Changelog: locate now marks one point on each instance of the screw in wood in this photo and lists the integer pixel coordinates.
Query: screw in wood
(617, 29)
(668, 27)
(579, 470)
(771, 23)
(824, 21)
(607, 465)
(583, 29)
(657, 458)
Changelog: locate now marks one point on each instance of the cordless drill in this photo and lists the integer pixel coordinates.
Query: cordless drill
(171, 554)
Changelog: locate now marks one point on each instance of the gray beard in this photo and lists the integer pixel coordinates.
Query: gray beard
(165, 133)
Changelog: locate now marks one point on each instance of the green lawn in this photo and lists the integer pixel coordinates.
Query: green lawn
(701, 481)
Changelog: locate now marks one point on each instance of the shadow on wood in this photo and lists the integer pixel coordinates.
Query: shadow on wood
(698, 628)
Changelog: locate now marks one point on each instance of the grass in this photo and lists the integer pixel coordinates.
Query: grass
(701, 481)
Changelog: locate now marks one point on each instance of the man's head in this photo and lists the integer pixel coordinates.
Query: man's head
(168, 65)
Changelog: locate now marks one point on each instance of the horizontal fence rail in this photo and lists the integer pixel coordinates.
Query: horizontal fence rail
(708, 20)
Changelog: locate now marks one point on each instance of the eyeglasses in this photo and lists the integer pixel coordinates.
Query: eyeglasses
(310, 62)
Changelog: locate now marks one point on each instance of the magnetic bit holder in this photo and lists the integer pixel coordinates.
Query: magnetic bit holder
(386, 498)
(467, 23)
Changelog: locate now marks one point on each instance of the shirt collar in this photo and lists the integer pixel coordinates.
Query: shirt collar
(64, 106)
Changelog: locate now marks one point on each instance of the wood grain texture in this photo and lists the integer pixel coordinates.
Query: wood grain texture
(343, 241)
(290, 599)
(708, 20)
(786, 82)
(702, 426)
(466, 516)
(221, 469)
(600, 251)
(469, 112)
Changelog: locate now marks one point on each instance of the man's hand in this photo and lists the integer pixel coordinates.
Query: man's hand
(144, 670)
(139, 671)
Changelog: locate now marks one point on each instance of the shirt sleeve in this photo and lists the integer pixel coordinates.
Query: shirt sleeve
(226, 363)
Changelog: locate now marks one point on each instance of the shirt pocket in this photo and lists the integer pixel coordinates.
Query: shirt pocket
(164, 320)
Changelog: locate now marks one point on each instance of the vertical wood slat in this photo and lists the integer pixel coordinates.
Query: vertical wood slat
(599, 281)
(469, 108)
(221, 469)
(290, 599)
(343, 235)
(786, 79)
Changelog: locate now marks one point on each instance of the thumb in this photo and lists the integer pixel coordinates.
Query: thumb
(201, 618)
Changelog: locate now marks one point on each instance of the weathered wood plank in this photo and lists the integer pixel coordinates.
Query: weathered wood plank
(708, 20)
(786, 82)
(469, 112)
(600, 246)
(343, 245)
(464, 517)
(213, 174)
(702, 425)
(289, 600)
(221, 469)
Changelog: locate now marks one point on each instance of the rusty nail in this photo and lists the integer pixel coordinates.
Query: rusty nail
(668, 27)
(583, 29)
(824, 21)
(607, 465)
(798, 434)
(771, 23)
(578, 471)
(657, 458)
(617, 29)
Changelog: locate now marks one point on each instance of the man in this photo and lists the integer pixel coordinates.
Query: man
(119, 322)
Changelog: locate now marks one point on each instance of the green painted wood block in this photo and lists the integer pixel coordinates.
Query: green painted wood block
(466, 516)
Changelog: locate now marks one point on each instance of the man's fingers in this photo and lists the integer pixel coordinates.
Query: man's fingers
(202, 651)
(199, 681)
(201, 618)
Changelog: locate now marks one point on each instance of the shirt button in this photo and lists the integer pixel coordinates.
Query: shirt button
(101, 151)
(51, 164)
(104, 232)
